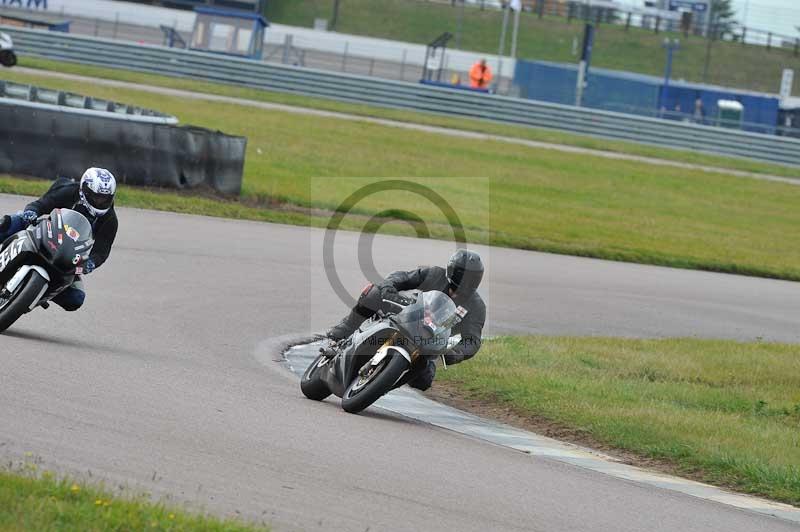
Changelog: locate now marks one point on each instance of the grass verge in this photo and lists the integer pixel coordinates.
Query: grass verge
(526, 198)
(431, 119)
(724, 412)
(47, 503)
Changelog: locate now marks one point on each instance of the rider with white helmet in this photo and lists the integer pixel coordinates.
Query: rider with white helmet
(92, 196)
(97, 190)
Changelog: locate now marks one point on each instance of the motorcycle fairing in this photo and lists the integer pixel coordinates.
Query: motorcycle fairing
(59, 243)
(18, 249)
(361, 346)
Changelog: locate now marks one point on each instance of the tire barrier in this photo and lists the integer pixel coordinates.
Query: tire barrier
(46, 141)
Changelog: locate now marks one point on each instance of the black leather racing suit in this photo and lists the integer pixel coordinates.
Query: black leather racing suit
(424, 278)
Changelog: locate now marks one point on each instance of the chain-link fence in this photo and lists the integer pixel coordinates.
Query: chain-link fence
(549, 30)
(711, 51)
(697, 23)
(348, 56)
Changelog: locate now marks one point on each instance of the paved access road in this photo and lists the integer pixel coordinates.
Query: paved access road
(164, 382)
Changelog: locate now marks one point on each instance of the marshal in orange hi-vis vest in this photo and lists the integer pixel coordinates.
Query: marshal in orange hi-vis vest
(480, 75)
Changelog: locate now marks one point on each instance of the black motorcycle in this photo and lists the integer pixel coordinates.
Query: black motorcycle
(378, 355)
(40, 262)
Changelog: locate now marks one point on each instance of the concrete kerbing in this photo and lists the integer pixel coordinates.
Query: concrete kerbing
(406, 402)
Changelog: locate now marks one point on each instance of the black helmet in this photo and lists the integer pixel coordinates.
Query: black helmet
(464, 272)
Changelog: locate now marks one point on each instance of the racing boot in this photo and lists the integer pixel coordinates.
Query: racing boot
(5, 224)
(420, 376)
(329, 350)
(346, 327)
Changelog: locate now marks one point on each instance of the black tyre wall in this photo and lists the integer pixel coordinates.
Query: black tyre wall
(137, 153)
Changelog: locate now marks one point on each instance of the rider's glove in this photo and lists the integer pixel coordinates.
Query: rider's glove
(388, 291)
(88, 267)
(29, 217)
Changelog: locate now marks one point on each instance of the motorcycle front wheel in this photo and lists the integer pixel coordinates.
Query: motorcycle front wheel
(14, 305)
(367, 389)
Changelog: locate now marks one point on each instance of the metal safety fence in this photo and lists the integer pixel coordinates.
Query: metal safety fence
(18, 94)
(387, 93)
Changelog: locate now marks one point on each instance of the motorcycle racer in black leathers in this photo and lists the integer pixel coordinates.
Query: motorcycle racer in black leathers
(459, 280)
(93, 197)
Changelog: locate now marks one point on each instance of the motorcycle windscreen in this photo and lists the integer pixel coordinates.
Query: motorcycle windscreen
(427, 322)
(439, 311)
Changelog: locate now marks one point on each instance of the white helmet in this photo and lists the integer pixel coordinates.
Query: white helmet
(97, 190)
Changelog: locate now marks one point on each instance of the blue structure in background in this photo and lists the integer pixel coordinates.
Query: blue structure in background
(760, 110)
(549, 82)
(229, 32)
(626, 92)
(613, 91)
(29, 20)
(623, 92)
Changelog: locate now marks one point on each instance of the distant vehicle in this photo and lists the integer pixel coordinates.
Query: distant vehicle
(486, 3)
(7, 56)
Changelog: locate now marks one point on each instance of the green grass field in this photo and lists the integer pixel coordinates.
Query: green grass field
(549, 39)
(537, 199)
(28, 502)
(465, 124)
(723, 411)
(726, 412)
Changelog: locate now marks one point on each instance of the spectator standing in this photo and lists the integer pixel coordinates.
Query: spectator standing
(480, 75)
(699, 111)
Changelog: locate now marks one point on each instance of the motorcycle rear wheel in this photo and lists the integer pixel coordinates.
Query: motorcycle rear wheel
(364, 391)
(311, 383)
(20, 301)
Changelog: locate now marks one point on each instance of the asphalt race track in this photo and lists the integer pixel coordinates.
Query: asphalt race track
(164, 382)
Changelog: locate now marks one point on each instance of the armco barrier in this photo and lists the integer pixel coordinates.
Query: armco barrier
(47, 141)
(32, 96)
(363, 90)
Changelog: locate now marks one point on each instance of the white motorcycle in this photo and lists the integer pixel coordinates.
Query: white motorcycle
(7, 56)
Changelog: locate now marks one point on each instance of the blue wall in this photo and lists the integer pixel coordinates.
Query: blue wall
(637, 94)
(621, 93)
(548, 82)
(760, 110)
